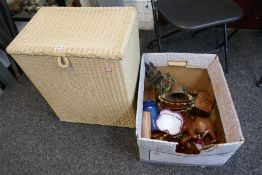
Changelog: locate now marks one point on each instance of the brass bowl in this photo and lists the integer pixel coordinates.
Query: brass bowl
(176, 101)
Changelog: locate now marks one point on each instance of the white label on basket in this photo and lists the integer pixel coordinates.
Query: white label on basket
(60, 47)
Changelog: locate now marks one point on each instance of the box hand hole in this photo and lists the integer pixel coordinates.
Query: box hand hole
(177, 63)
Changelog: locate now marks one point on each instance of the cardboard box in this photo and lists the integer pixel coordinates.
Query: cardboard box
(203, 72)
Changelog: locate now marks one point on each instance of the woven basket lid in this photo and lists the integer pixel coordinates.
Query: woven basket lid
(92, 32)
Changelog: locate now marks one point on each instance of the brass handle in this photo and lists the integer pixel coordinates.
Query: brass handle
(63, 62)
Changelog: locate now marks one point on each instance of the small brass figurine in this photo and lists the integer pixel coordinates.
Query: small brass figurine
(165, 85)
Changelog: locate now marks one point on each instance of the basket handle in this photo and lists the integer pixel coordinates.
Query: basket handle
(63, 62)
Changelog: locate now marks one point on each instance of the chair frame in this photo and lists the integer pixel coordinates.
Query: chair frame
(158, 36)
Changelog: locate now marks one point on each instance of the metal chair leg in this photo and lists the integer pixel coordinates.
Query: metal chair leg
(228, 37)
(162, 36)
(259, 83)
(226, 48)
(156, 26)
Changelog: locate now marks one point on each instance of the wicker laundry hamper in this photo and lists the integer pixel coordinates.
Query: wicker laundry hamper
(84, 61)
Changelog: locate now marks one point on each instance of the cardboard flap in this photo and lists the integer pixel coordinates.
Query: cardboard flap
(192, 60)
(230, 121)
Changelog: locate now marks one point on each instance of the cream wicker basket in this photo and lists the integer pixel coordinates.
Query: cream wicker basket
(84, 61)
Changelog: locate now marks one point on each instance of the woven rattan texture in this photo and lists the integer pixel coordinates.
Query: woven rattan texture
(89, 91)
(81, 32)
(131, 64)
(101, 47)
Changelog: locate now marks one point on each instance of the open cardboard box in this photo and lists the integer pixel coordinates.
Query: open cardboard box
(201, 72)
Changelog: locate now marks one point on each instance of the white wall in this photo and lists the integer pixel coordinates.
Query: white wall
(144, 8)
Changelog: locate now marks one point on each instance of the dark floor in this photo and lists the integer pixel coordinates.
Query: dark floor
(34, 141)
